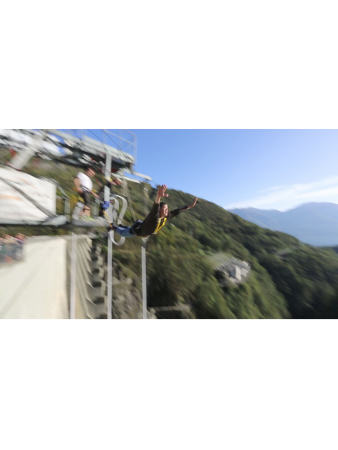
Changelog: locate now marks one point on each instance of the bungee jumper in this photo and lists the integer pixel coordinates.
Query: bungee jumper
(157, 218)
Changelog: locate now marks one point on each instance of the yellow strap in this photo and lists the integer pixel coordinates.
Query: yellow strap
(160, 224)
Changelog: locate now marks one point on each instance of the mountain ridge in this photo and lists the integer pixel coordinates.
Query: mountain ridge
(315, 223)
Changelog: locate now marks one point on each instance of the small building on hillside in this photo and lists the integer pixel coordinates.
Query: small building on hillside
(233, 271)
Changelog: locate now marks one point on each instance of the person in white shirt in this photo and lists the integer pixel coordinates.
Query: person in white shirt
(84, 186)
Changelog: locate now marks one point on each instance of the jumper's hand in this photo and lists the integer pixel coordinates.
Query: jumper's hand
(162, 191)
(194, 203)
(117, 182)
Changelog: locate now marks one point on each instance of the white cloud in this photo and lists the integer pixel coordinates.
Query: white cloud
(287, 197)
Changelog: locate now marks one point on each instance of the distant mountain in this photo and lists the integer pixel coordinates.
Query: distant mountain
(313, 223)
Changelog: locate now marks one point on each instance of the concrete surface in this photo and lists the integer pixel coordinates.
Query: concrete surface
(36, 288)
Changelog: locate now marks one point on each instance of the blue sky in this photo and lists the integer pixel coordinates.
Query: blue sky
(268, 169)
(238, 168)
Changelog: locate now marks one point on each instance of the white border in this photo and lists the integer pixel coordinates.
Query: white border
(169, 384)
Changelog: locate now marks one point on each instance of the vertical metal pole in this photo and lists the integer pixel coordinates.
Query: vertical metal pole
(144, 261)
(109, 245)
(144, 277)
(73, 277)
(109, 280)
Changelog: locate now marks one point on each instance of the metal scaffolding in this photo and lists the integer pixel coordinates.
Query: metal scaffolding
(111, 152)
